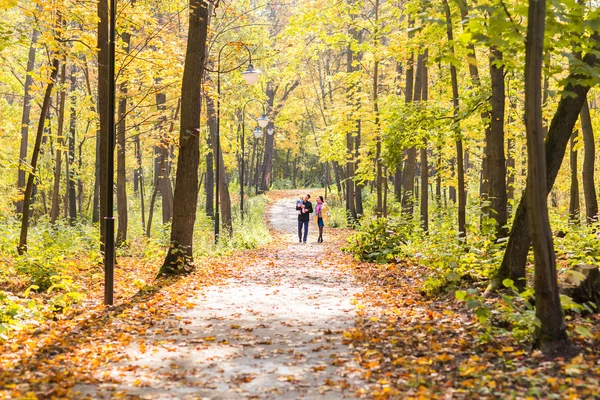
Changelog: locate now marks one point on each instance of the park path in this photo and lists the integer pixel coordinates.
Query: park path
(273, 331)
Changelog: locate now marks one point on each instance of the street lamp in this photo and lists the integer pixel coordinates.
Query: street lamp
(258, 132)
(250, 75)
(263, 119)
(270, 131)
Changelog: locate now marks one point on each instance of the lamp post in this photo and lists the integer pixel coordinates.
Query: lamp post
(262, 121)
(258, 132)
(109, 225)
(251, 77)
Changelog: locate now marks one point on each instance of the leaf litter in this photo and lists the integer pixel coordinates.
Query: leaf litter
(286, 320)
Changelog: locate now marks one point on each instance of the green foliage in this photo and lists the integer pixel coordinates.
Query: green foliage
(15, 312)
(379, 240)
(52, 249)
(251, 233)
(8, 309)
(514, 313)
(409, 125)
(337, 217)
(67, 293)
(511, 314)
(579, 246)
(451, 262)
(282, 184)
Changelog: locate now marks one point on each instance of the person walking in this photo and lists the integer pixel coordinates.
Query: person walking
(321, 216)
(305, 209)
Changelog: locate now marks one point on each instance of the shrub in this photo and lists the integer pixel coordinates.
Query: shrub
(378, 241)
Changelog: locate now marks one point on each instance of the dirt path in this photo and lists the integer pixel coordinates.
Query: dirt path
(274, 331)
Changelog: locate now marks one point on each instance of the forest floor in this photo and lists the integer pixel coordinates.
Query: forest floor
(285, 321)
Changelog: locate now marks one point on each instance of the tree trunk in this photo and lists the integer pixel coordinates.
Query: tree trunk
(410, 154)
(510, 171)
(589, 155)
(161, 161)
(140, 174)
(102, 150)
(359, 186)
(121, 164)
(552, 335)
(336, 173)
(265, 183)
(398, 182)
(424, 164)
(574, 192)
(460, 172)
(209, 185)
(350, 205)
(438, 176)
(25, 118)
(496, 161)
(398, 169)
(96, 191)
(36, 151)
(137, 172)
(60, 143)
(179, 257)
(224, 198)
(489, 177)
(151, 211)
(561, 128)
(380, 209)
(71, 186)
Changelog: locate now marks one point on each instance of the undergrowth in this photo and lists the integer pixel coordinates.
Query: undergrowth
(64, 264)
(462, 268)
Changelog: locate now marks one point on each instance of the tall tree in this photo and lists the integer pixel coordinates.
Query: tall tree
(559, 133)
(224, 197)
(350, 90)
(179, 257)
(574, 192)
(381, 207)
(26, 116)
(552, 334)
(460, 172)
(410, 154)
(71, 187)
(494, 146)
(60, 143)
(589, 155)
(102, 133)
(424, 164)
(22, 248)
(121, 161)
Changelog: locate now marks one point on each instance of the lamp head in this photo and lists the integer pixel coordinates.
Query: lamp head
(251, 75)
(257, 132)
(263, 121)
(271, 131)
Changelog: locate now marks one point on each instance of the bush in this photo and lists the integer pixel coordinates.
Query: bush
(378, 240)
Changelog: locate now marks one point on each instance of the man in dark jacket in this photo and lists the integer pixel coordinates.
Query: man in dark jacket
(305, 209)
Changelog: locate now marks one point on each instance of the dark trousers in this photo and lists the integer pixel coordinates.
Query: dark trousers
(300, 225)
